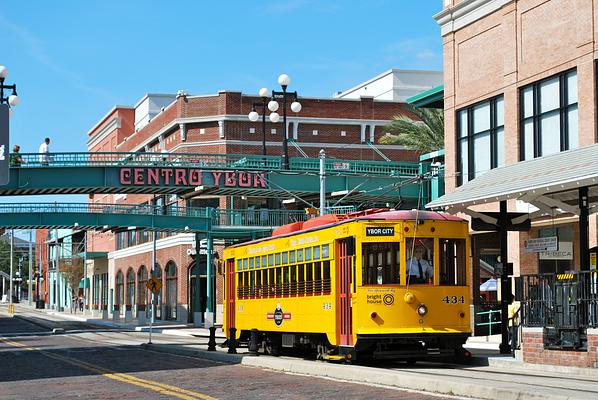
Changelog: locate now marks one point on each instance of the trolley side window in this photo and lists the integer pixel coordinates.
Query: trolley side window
(381, 263)
(453, 261)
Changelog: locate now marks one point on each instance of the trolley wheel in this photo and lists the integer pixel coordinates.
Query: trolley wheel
(322, 351)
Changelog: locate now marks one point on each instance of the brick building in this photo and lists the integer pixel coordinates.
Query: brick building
(519, 93)
(212, 124)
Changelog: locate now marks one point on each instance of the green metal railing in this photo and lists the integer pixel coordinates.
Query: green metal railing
(260, 217)
(219, 217)
(492, 320)
(102, 208)
(217, 162)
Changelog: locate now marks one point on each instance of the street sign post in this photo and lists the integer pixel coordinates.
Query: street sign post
(4, 145)
(154, 285)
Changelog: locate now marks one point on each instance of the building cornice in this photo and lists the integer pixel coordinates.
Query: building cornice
(115, 123)
(452, 19)
(174, 124)
(317, 145)
(105, 117)
(182, 239)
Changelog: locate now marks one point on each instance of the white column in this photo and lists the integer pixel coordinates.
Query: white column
(295, 130)
(362, 126)
(221, 129)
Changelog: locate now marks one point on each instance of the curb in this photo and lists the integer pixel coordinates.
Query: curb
(358, 374)
(204, 354)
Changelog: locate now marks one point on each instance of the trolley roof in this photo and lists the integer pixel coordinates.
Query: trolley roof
(367, 215)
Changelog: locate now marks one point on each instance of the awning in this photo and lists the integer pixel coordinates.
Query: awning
(431, 98)
(84, 281)
(549, 183)
(488, 286)
(92, 255)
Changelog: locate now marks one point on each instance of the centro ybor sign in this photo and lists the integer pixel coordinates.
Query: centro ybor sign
(190, 177)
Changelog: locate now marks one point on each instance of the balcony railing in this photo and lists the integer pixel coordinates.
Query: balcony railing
(218, 161)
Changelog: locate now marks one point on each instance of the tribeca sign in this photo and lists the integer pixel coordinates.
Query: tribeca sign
(190, 177)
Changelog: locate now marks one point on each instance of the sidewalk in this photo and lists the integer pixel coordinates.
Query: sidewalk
(163, 327)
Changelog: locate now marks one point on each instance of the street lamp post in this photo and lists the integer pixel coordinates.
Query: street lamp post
(254, 116)
(13, 99)
(284, 81)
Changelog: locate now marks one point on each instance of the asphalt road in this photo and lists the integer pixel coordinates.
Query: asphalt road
(95, 362)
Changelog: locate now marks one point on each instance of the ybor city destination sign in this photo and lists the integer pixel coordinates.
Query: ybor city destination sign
(190, 177)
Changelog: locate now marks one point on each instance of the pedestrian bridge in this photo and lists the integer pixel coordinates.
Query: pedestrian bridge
(221, 223)
(214, 174)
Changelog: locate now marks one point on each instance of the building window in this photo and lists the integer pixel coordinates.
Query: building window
(480, 130)
(549, 116)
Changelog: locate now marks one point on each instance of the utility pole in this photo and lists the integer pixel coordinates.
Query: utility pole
(322, 182)
(57, 268)
(30, 286)
(12, 243)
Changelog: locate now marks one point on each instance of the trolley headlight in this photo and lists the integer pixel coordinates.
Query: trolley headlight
(422, 310)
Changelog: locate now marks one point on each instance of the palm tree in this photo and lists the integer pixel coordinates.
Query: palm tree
(425, 135)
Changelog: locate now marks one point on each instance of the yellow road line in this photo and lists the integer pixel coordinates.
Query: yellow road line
(161, 388)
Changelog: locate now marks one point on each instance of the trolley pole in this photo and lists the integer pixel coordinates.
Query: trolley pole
(322, 182)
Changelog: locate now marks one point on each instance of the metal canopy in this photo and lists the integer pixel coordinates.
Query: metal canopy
(431, 98)
(550, 183)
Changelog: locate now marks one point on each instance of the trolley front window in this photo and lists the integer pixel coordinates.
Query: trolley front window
(453, 262)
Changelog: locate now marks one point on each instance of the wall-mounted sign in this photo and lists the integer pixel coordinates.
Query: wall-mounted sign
(564, 252)
(550, 243)
(380, 231)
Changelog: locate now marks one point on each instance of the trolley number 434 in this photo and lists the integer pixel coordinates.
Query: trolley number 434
(453, 299)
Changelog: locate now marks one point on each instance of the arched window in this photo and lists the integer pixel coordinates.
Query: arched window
(141, 285)
(119, 295)
(171, 290)
(158, 274)
(130, 298)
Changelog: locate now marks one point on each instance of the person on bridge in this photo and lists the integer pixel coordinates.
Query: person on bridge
(44, 151)
(15, 158)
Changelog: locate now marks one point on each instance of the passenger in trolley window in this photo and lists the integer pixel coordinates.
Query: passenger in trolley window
(419, 269)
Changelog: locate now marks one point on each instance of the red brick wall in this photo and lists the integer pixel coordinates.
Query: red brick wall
(534, 352)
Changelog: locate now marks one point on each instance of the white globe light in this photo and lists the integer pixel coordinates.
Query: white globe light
(296, 106)
(274, 117)
(284, 80)
(3, 71)
(264, 92)
(253, 116)
(13, 100)
(273, 105)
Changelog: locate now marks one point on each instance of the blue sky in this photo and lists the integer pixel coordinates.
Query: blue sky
(74, 60)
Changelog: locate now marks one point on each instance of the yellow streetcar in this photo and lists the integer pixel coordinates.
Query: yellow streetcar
(373, 284)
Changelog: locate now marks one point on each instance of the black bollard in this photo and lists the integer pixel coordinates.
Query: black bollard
(253, 343)
(212, 341)
(232, 341)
